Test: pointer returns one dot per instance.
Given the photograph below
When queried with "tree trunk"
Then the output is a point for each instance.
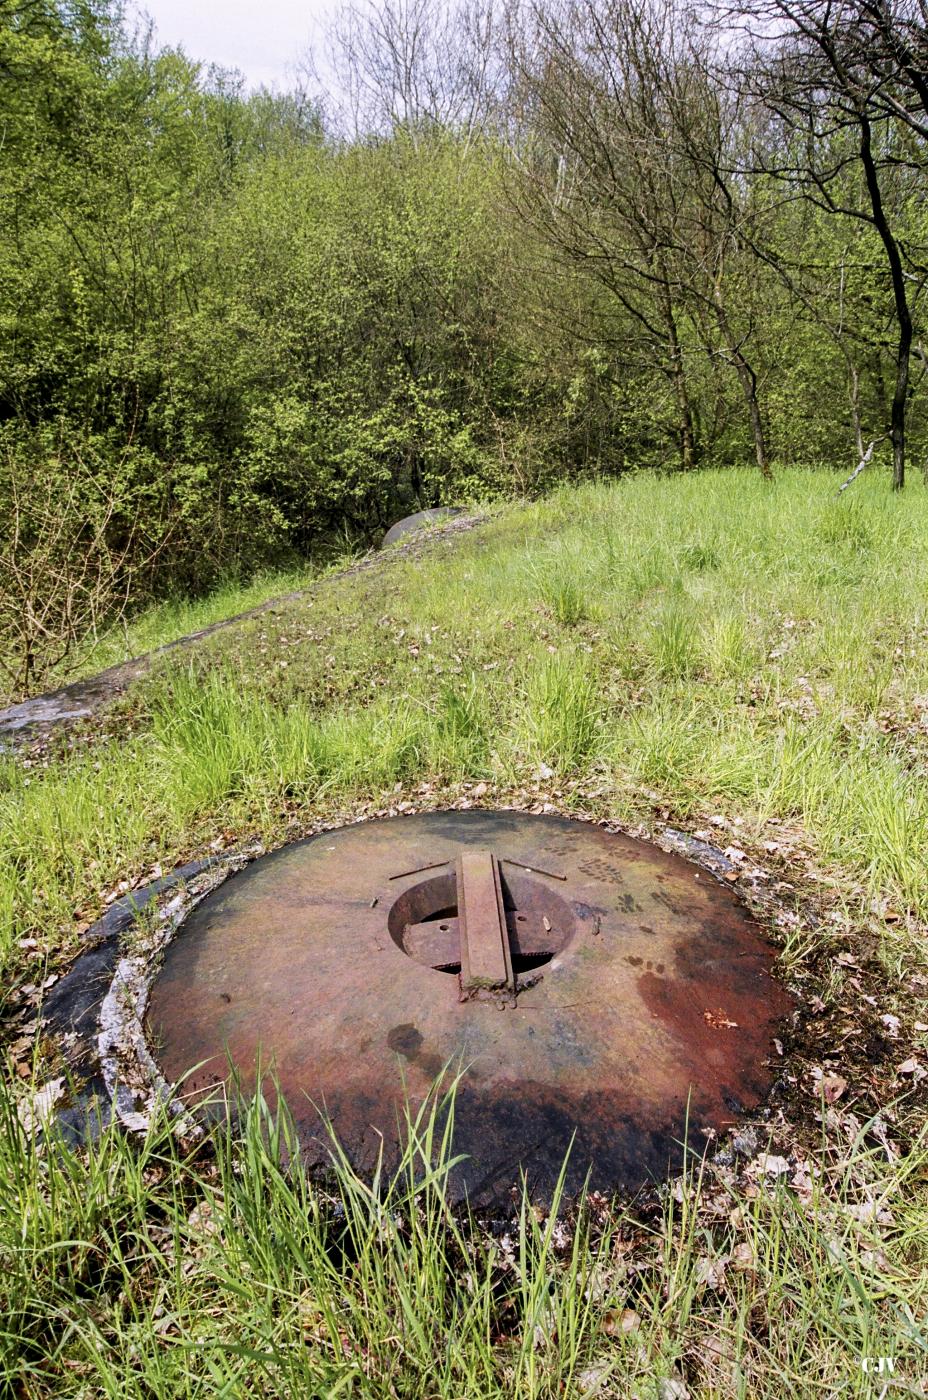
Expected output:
(687, 436)
(855, 408)
(900, 297)
(748, 381)
(678, 376)
(897, 421)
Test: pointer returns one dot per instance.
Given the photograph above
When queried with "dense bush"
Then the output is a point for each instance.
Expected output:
(256, 331)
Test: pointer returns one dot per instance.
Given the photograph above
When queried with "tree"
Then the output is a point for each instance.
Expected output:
(844, 81)
(627, 174)
(415, 65)
(72, 550)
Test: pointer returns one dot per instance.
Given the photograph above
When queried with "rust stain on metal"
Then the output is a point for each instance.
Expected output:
(633, 1002)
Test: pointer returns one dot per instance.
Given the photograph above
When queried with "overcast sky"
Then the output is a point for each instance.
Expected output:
(264, 39)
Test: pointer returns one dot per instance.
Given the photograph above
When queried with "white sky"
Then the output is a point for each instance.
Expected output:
(264, 39)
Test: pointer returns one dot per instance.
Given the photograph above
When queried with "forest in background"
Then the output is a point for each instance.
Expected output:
(503, 245)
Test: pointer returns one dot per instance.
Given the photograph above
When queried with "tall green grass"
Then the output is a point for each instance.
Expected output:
(558, 722)
(131, 1269)
(757, 650)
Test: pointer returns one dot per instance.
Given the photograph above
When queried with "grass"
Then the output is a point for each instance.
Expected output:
(704, 649)
(133, 1270)
(174, 617)
(755, 651)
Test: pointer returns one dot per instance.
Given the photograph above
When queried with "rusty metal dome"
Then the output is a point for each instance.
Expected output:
(600, 995)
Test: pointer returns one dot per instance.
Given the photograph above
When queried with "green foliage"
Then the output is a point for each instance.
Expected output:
(264, 336)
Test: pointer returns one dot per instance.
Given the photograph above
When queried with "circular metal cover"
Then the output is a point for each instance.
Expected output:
(596, 990)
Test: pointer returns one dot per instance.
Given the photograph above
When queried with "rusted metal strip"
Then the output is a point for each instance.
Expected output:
(533, 869)
(485, 957)
(437, 865)
(437, 942)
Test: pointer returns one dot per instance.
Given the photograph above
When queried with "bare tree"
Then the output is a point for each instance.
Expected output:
(628, 176)
(845, 82)
(70, 561)
(887, 40)
(415, 65)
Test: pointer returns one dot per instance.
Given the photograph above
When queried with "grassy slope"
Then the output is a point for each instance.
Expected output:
(705, 648)
(727, 646)
(163, 622)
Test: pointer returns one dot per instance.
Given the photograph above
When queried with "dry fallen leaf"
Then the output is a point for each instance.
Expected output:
(801, 1182)
(869, 1213)
(767, 1164)
(670, 1388)
(202, 1219)
(742, 1257)
(35, 1111)
(832, 1087)
(914, 1068)
(592, 1380)
(711, 1272)
(717, 1354)
(616, 1324)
